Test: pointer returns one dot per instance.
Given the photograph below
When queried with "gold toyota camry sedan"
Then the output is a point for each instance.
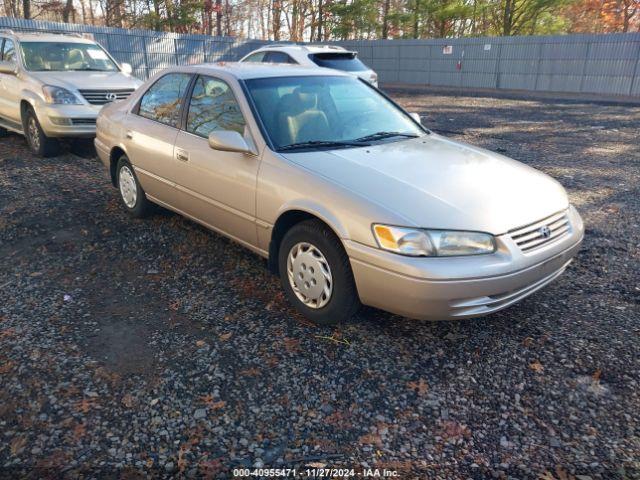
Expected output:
(349, 198)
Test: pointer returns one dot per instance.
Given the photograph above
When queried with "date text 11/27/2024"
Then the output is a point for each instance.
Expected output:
(315, 473)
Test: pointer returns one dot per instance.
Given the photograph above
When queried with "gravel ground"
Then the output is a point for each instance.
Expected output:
(148, 348)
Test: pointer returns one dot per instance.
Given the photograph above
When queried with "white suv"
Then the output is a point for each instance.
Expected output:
(54, 85)
(328, 56)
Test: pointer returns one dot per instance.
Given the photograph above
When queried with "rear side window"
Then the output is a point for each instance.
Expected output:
(213, 107)
(278, 57)
(347, 61)
(164, 98)
(8, 51)
(255, 57)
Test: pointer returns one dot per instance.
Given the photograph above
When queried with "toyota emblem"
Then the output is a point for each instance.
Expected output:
(111, 96)
(545, 231)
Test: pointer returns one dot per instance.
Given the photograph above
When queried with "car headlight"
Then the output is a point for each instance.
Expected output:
(417, 242)
(59, 95)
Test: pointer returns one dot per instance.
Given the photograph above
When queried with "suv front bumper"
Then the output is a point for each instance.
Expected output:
(68, 120)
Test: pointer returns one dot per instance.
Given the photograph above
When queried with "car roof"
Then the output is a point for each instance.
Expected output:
(46, 37)
(248, 70)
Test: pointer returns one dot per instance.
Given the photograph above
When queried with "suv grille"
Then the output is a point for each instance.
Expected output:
(83, 121)
(100, 97)
(542, 232)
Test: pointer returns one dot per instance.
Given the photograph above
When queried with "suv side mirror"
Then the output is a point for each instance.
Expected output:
(126, 68)
(416, 117)
(229, 141)
(8, 67)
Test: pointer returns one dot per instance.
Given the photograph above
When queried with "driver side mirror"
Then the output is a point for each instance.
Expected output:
(9, 68)
(126, 68)
(229, 141)
(416, 117)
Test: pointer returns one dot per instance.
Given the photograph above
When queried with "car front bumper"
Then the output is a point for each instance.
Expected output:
(68, 120)
(459, 287)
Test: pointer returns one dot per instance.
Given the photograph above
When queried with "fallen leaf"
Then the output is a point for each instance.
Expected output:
(225, 336)
(250, 372)
(292, 345)
(79, 431)
(421, 387)
(6, 367)
(596, 375)
(316, 465)
(17, 445)
(200, 343)
(127, 400)
(536, 366)
(371, 439)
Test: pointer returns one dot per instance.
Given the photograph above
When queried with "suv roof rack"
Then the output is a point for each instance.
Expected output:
(331, 47)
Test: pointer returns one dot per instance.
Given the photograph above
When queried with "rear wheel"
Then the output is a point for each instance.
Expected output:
(38, 141)
(316, 275)
(131, 192)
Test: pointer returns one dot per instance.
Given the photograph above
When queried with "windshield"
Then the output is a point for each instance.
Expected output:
(61, 57)
(298, 110)
(347, 62)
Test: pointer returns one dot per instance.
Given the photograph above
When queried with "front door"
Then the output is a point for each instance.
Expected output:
(9, 85)
(219, 188)
(150, 133)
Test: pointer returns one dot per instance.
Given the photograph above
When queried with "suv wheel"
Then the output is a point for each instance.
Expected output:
(131, 192)
(316, 274)
(38, 142)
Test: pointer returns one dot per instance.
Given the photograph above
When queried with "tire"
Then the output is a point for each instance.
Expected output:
(38, 142)
(303, 242)
(131, 193)
(3, 132)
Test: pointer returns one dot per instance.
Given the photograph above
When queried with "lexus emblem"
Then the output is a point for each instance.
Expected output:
(110, 96)
(545, 231)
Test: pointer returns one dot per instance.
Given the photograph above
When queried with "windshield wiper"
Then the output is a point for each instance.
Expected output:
(89, 70)
(324, 143)
(381, 135)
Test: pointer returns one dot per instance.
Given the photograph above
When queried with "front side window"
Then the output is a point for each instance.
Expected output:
(164, 98)
(213, 107)
(66, 56)
(8, 51)
(347, 61)
(303, 109)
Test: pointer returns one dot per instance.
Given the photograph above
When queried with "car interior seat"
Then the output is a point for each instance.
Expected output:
(299, 120)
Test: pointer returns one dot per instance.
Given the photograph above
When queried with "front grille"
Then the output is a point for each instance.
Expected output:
(99, 97)
(83, 121)
(542, 232)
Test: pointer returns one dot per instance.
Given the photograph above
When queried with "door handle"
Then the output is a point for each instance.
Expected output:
(129, 134)
(182, 155)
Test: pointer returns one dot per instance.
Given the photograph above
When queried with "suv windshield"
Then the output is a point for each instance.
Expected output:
(327, 112)
(60, 56)
(347, 61)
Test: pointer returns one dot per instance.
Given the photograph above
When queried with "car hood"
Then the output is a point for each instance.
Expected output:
(90, 80)
(435, 182)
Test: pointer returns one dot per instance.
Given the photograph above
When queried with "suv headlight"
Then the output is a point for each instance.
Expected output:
(416, 242)
(59, 95)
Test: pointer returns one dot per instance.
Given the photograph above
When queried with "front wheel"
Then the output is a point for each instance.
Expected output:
(316, 275)
(38, 141)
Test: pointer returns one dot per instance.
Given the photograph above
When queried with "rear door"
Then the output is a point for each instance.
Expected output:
(150, 133)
